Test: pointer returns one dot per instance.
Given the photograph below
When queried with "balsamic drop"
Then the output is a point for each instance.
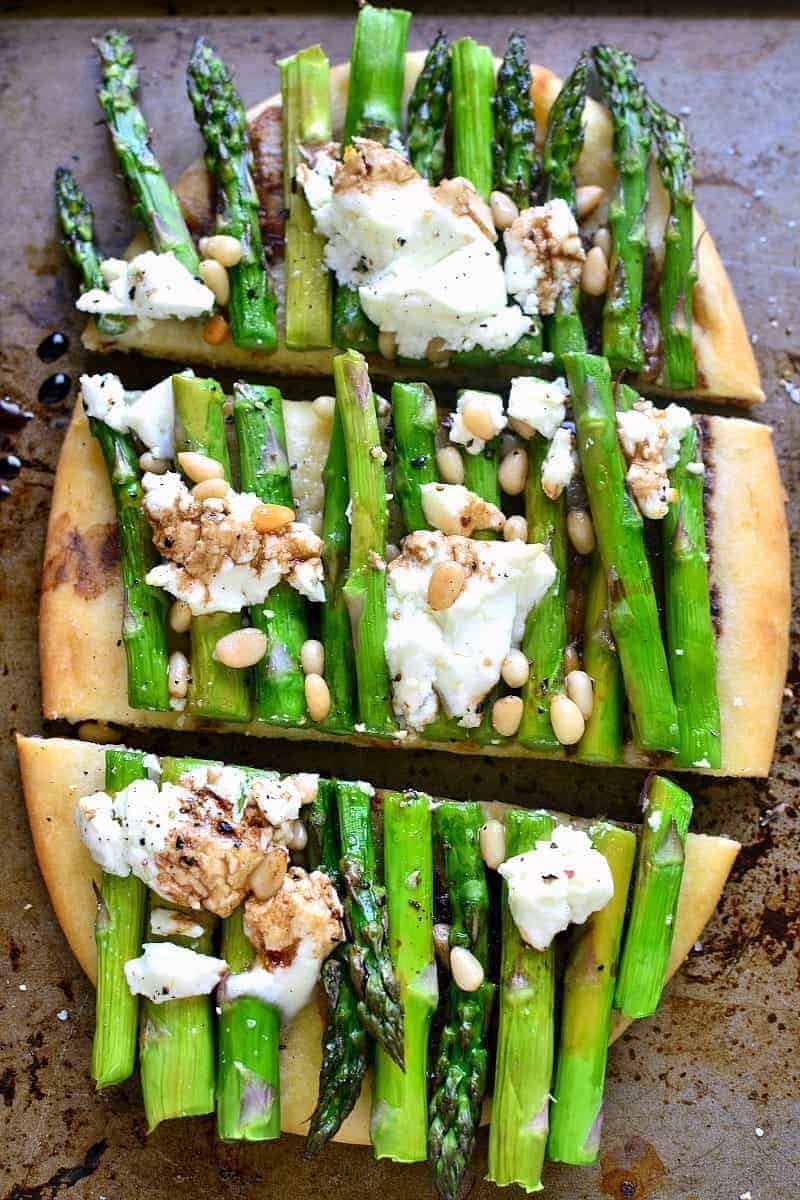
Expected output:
(5, 491)
(55, 388)
(52, 347)
(10, 466)
(12, 417)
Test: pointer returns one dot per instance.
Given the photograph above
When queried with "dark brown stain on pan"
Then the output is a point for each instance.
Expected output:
(87, 562)
(631, 1170)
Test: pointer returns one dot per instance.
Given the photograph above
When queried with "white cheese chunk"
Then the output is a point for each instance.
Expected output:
(453, 508)
(167, 923)
(165, 971)
(455, 655)
(559, 465)
(561, 882)
(149, 414)
(281, 799)
(102, 830)
(651, 441)
(308, 438)
(461, 434)
(289, 987)
(544, 256)
(537, 405)
(151, 286)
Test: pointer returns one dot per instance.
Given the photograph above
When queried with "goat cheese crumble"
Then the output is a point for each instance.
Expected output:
(151, 287)
(165, 971)
(453, 508)
(149, 414)
(537, 405)
(651, 441)
(461, 434)
(544, 256)
(559, 465)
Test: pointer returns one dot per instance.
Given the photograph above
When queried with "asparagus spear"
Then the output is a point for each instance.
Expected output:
(399, 1126)
(659, 870)
(480, 476)
(619, 529)
(364, 589)
(279, 684)
(516, 171)
(306, 116)
(118, 930)
(76, 218)
(602, 738)
(144, 626)
(546, 629)
(337, 637)
(220, 115)
(562, 149)
(627, 102)
(374, 102)
(459, 1078)
(473, 120)
(371, 970)
(216, 691)
(345, 1045)
(415, 419)
(690, 631)
(678, 276)
(428, 107)
(576, 1115)
(518, 1132)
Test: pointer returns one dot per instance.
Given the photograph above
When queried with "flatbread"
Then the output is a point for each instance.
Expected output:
(83, 667)
(57, 771)
(726, 365)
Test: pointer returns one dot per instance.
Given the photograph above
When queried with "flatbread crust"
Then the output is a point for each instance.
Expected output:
(82, 660)
(725, 361)
(57, 771)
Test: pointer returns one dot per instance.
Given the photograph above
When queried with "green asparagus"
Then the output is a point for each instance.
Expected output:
(602, 737)
(415, 418)
(337, 637)
(76, 218)
(473, 120)
(428, 108)
(516, 171)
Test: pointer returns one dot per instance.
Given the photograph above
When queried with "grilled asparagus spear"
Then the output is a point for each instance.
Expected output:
(415, 419)
(76, 218)
(516, 171)
(428, 107)
(337, 637)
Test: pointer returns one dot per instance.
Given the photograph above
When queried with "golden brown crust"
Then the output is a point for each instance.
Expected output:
(56, 772)
(725, 359)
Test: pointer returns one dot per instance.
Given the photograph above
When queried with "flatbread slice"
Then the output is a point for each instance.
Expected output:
(726, 365)
(57, 771)
(83, 668)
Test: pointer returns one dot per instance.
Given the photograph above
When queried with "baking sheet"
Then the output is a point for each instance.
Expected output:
(703, 1098)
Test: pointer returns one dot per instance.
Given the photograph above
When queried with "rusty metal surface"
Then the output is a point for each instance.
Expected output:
(702, 1099)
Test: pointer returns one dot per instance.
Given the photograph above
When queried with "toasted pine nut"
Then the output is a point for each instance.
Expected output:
(242, 648)
(515, 530)
(580, 530)
(202, 246)
(567, 720)
(466, 970)
(580, 690)
(178, 675)
(200, 467)
(267, 518)
(450, 465)
(492, 840)
(515, 669)
(521, 427)
(324, 407)
(506, 715)
(445, 585)
(312, 657)
(478, 419)
(180, 616)
(437, 352)
(99, 731)
(571, 660)
(594, 277)
(602, 238)
(216, 330)
(387, 344)
(211, 489)
(224, 249)
(214, 276)
(441, 943)
(299, 837)
(307, 785)
(266, 880)
(504, 210)
(587, 199)
(318, 698)
(156, 466)
(512, 474)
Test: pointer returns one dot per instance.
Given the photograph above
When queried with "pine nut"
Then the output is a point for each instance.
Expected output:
(515, 669)
(581, 530)
(214, 276)
(299, 838)
(450, 465)
(267, 518)
(445, 585)
(521, 427)
(594, 276)
(178, 675)
(202, 246)
(567, 720)
(506, 715)
(224, 249)
(504, 210)
(307, 785)
(267, 879)
(466, 970)
(512, 474)
(156, 466)
(492, 839)
(515, 530)
(211, 489)
(602, 239)
(437, 352)
(587, 199)
(180, 616)
(580, 690)
(477, 417)
(99, 731)
(571, 660)
(216, 330)
(242, 648)
(318, 698)
(387, 345)
(200, 467)
(441, 943)
(324, 407)
(312, 657)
